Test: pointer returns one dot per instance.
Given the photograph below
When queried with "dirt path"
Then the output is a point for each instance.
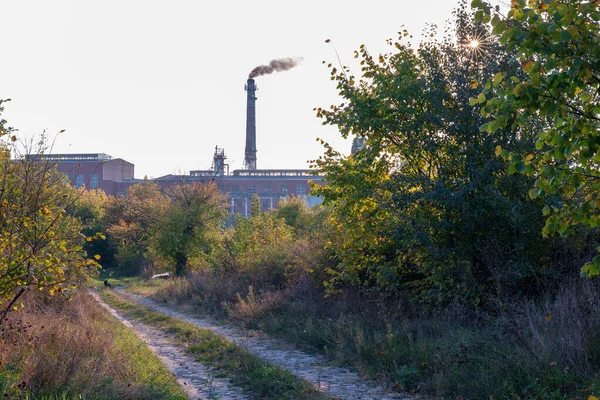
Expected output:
(334, 382)
(196, 379)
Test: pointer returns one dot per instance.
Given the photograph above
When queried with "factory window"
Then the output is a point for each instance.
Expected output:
(79, 181)
(284, 189)
(93, 181)
(268, 189)
(251, 189)
(235, 188)
(300, 190)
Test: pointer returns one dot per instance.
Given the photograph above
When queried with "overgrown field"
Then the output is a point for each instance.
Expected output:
(545, 349)
(257, 377)
(54, 349)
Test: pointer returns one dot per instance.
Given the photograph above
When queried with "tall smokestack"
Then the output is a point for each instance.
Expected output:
(250, 159)
(281, 64)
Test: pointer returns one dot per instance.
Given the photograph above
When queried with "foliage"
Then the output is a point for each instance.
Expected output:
(41, 246)
(297, 214)
(129, 219)
(255, 209)
(558, 46)
(90, 208)
(190, 227)
(233, 361)
(60, 349)
(257, 248)
(412, 208)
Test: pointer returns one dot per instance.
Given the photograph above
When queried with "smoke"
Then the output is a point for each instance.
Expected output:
(282, 64)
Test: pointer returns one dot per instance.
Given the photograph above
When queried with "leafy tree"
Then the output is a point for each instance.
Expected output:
(412, 208)
(191, 225)
(558, 46)
(255, 210)
(297, 214)
(90, 208)
(41, 246)
(256, 248)
(129, 221)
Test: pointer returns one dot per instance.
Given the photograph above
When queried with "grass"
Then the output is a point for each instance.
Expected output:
(548, 349)
(53, 349)
(134, 284)
(255, 376)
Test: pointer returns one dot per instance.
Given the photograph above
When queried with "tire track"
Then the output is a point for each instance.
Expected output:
(197, 379)
(334, 382)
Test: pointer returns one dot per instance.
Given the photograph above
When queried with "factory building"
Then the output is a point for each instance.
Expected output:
(94, 171)
(115, 175)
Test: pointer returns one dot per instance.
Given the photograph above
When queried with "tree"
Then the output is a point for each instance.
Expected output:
(90, 208)
(129, 221)
(557, 44)
(257, 248)
(191, 225)
(255, 210)
(297, 214)
(412, 207)
(41, 246)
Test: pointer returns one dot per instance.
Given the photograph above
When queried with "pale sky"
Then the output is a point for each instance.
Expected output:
(161, 83)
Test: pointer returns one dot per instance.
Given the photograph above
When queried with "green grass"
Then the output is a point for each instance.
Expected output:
(133, 284)
(255, 376)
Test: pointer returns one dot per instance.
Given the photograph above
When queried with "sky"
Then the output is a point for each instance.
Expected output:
(161, 83)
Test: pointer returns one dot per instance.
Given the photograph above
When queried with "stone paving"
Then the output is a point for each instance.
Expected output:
(334, 382)
(197, 380)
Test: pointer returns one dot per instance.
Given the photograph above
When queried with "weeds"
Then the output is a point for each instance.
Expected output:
(548, 349)
(54, 350)
(252, 374)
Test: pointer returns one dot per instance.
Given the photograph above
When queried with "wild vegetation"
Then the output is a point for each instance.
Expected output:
(433, 264)
(254, 375)
(455, 251)
(53, 349)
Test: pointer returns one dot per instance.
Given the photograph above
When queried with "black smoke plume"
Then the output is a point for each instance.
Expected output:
(282, 64)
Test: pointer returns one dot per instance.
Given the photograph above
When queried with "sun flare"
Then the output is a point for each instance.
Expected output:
(477, 44)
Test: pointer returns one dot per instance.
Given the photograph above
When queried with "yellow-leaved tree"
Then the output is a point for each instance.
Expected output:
(41, 245)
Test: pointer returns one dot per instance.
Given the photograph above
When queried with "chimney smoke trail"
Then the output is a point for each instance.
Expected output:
(281, 64)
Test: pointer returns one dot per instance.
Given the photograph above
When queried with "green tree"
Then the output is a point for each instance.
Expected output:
(41, 246)
(297, 214)
(255, 210)
(256, 248)
(129, 220)
(412, 207)
(557, 44)
(90, 208)
(191, 226)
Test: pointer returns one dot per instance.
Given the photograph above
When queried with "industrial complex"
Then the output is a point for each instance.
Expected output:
(115, 175)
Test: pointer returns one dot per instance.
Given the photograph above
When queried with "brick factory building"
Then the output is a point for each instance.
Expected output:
(270, 185)
(94, 171)
(115, 175)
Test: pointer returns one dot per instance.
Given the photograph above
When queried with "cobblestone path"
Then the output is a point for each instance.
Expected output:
(334, 382)
(196, 379)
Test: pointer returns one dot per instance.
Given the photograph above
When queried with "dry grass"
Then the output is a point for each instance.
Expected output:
(53, 348)
(255, 376)
(547, 348)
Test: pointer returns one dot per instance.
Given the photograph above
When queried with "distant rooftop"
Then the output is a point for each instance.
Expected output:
(271, 172)
(70, 157)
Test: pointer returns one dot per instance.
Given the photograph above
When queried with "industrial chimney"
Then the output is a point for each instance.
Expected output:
(250, 159)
